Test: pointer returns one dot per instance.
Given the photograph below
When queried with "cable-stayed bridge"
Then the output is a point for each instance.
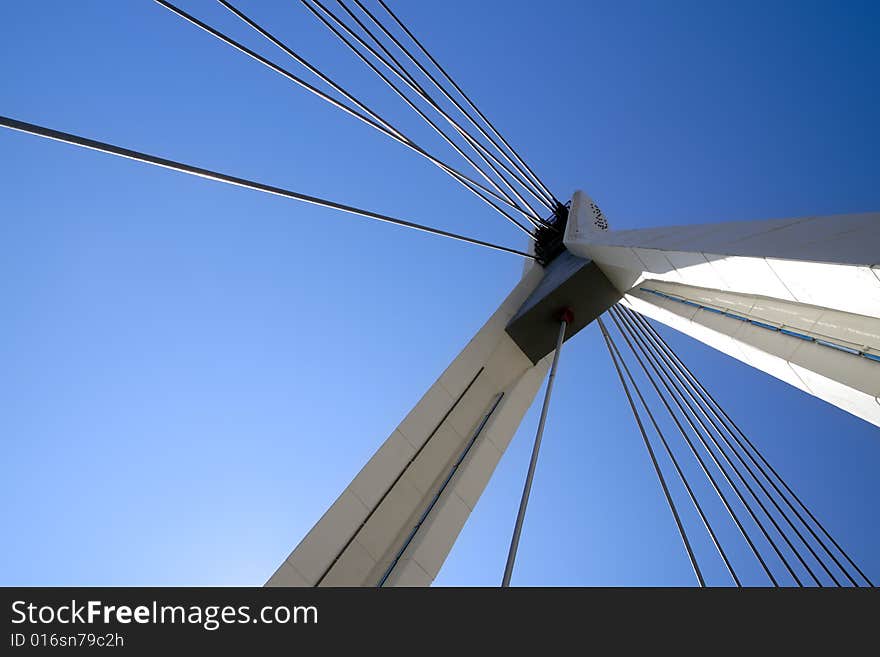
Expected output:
(798, 299)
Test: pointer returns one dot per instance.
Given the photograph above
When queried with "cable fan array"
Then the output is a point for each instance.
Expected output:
(788, 542)
(507, 180)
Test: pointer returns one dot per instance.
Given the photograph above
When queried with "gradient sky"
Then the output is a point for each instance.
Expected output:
(193, 372)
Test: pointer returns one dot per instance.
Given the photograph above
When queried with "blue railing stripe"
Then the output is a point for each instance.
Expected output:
(764, 325)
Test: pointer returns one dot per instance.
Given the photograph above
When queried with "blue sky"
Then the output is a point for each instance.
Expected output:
(194, 372)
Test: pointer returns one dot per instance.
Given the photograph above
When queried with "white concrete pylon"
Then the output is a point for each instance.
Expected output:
(366, 536)
(796, 298)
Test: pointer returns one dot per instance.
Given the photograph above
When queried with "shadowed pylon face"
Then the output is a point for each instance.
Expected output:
(569, 282)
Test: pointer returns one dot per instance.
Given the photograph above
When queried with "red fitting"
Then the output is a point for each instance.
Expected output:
(566, 315)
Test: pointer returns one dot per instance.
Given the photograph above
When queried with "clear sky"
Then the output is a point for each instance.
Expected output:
(193, 372)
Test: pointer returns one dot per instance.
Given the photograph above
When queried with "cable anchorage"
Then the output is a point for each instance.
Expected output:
(549, 237)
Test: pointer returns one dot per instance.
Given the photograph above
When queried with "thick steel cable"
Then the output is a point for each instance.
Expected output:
(721, 496)
(708, 413)
(400, 68)
(527, 185)
(680, 392)
(669, 501)
(531, 216)
(396, 67)
(468, 183)
(730, 423)
(84, 142)
(672, 457)
(531, 174)
(536, 447)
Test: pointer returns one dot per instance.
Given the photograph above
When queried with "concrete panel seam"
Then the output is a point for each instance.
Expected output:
(370, 512)
(782, 282)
